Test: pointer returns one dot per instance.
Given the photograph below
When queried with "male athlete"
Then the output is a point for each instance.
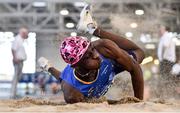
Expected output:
(93, 65)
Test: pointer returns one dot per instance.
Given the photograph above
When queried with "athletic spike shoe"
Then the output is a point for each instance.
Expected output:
(86, 22)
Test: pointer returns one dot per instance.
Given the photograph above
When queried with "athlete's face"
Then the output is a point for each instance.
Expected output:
(91, 59)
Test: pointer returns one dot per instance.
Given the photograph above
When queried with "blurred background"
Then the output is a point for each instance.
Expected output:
(49, 21)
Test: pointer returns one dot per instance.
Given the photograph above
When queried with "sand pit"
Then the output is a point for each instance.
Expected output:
(129, 104)
(119, 103)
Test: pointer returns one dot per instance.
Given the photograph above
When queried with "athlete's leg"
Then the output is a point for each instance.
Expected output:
(121, 42)
(87, 24)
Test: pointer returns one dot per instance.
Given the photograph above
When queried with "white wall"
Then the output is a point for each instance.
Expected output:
(48, 46)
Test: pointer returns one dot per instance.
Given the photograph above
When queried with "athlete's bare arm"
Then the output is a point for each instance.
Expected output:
(56, 73)
(110, 50)
(71, 95)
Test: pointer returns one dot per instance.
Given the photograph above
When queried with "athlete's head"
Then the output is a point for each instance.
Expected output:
(78, 50)
(73, 48)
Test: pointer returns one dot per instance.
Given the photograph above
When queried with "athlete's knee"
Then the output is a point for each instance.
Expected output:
(140, 55)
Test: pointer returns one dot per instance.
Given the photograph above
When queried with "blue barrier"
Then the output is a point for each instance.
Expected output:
(36, 77)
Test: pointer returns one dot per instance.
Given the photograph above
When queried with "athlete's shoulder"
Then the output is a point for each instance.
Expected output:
(67, 72)
(68, 68)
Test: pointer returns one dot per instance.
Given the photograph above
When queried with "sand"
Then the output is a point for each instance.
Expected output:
(126, 104)
(164, 98)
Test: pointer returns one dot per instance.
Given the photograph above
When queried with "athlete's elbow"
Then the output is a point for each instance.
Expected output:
(73, 100)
